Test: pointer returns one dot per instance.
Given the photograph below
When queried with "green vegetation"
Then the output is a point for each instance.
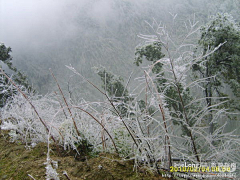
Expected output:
(18, 77)
(223, 66)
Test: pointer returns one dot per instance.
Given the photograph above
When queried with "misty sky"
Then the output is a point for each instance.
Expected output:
(37, 30)
(47, 34)
(31, 22)
(28, 21)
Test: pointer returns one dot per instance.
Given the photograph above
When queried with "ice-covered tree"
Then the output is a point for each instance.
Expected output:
(168, 67)
(223, 66)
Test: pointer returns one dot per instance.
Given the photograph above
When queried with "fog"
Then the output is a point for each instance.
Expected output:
(34, 23)
(43, 33)
(47, 34)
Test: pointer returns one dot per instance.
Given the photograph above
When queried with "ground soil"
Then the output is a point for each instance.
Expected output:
(18, 162)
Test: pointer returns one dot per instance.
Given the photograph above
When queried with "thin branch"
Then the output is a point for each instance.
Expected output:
(75, 125)
(129, 131)
(100, 125)
(25, 96)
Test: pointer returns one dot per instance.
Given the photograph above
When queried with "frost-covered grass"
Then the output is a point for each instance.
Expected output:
(19, 117)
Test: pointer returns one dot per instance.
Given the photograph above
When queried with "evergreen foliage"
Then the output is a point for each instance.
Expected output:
(224, 64)
(18, 77)
(222, 67)
(112, 84)
(153, 52)
(117, 92)
(5, 56)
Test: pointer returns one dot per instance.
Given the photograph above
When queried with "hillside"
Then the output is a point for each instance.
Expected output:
(17, 162)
